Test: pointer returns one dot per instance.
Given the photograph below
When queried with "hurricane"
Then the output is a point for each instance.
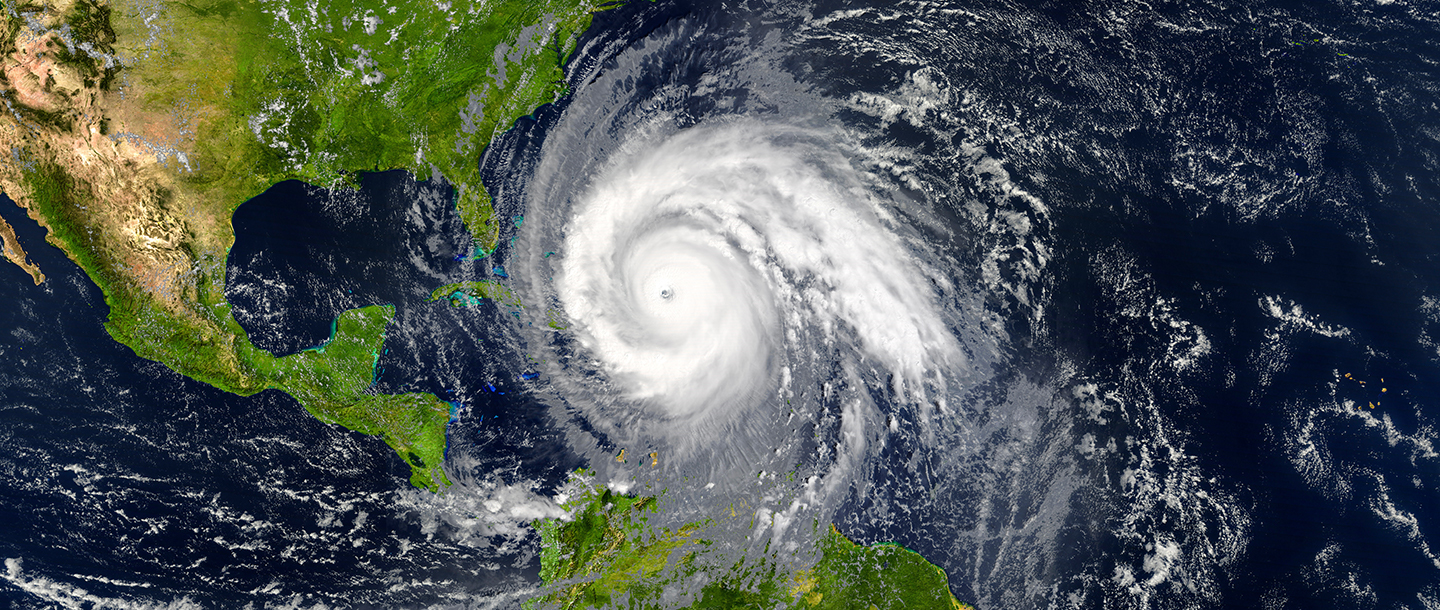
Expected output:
(710, 272)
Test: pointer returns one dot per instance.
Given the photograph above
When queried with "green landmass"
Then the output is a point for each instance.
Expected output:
(607, 542)
(880, 576)
(137, 128)
(333, 381)
(469, 294)
(606, 556)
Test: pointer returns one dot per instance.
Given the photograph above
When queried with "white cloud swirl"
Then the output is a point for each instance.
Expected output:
(701, 266)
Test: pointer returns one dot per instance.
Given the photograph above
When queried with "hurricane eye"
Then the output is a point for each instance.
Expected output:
(665, 293)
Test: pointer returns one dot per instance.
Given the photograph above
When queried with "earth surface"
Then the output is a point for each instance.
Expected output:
(1088, 305)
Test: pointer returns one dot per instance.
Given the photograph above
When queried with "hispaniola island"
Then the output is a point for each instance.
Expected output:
(741, 304)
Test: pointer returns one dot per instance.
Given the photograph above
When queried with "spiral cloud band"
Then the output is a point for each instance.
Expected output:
(701, 270)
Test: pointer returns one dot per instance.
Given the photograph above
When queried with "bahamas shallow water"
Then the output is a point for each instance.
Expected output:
(1074, 300)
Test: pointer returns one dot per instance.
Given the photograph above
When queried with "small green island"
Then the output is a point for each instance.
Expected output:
(469, 294)
(607, 555)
